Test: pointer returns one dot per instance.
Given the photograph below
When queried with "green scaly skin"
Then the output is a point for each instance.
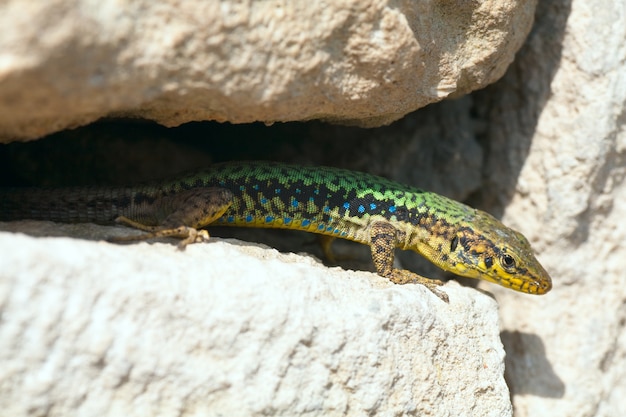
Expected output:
(334, 202)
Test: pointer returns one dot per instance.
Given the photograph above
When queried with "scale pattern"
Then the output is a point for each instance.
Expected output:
(324, 200)
(335, 202)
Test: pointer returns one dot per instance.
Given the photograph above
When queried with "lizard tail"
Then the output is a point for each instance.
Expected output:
(68, 205)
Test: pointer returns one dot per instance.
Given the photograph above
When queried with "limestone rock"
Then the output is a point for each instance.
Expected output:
(227, 328)
(65, 63)
(556, 127)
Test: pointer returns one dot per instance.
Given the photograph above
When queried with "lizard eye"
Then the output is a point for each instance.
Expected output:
(507, 261)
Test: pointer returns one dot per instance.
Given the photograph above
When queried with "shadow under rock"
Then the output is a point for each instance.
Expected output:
(508, 111)
(528, 370)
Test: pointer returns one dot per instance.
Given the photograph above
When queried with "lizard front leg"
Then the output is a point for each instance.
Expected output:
(383, 239)
(185, 213)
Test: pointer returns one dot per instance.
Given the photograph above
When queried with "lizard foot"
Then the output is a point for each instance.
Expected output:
(187, 234)
(402, 276)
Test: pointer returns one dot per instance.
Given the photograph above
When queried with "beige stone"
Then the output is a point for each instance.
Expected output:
(553, 140)
(557, 127)
(230, 328)
(65, 63)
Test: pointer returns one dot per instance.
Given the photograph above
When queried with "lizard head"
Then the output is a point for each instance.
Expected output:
(484, 248)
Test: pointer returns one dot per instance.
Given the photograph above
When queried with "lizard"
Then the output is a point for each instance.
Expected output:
(333, 202)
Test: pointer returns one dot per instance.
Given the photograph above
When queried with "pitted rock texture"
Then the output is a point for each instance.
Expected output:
(65, 63)
(230, 328)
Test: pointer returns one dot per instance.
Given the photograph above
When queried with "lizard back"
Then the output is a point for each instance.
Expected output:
(324, 200)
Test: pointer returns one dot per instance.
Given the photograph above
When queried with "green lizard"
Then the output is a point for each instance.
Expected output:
(334, 202)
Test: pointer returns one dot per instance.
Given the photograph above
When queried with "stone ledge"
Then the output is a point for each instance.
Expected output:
(231, 328)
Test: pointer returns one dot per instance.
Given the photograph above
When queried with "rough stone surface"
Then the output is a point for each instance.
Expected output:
(227, 328)
(553, 149)
(557, 126)
(65, 63)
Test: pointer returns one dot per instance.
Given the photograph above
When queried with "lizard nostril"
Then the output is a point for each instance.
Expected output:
(454, 243)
